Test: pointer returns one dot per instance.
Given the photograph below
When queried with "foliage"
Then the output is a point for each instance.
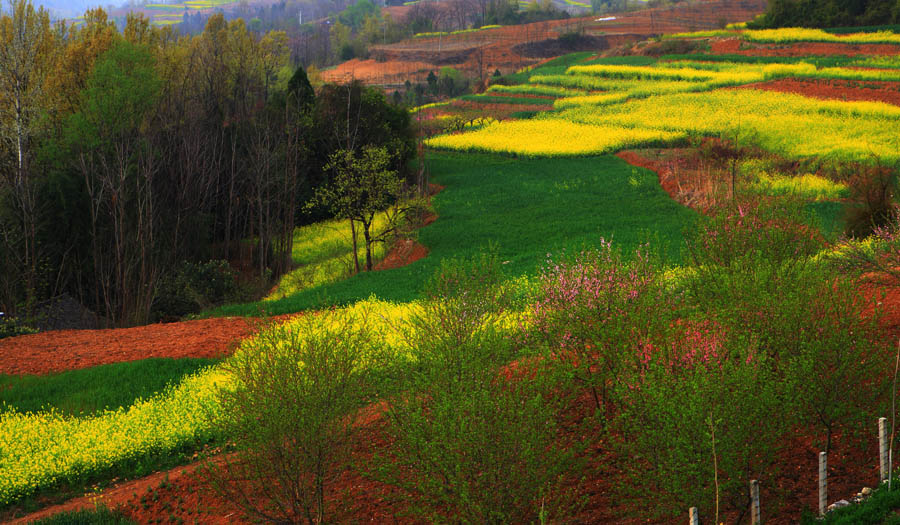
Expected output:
(754, 277)
(12, 327)
(873, 259)
(93, 390)
(873, 193)
(830, 13)
(360, 188)
(292, 410)
(700, 417)
(481, 445)
(351, 118)
(195, 287)
(766, 243)
(837, 364)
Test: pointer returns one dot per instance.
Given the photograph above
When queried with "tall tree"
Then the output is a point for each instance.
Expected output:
(361, 186)
(116, 160)
(26, 48)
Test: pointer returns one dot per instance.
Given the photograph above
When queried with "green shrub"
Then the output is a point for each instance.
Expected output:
(751, 271)
(837, 367)
(698, 419)
(474, 442)
(193, 287)
(11, 327)
(292, 413)
(755, 277)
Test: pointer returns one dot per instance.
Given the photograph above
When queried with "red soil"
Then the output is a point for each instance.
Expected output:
(56, 351)
(480, 53)
(888, 92)
(733, 46)
(404, 251)
(682, 174)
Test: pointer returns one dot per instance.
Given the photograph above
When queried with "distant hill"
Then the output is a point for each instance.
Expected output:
(72, 8)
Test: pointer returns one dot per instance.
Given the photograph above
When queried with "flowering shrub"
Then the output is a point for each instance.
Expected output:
(596, 307)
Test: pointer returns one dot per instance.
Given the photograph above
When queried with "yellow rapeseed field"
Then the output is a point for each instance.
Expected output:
(551, 137)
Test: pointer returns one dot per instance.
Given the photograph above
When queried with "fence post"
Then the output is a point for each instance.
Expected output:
(883, 449)
(754, 503)
(823, 483)
(694, 516)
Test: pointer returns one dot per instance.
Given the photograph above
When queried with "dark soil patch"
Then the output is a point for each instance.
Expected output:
(555, 47)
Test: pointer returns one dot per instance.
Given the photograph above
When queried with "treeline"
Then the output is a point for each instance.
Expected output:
(828, 13)
(124, 154)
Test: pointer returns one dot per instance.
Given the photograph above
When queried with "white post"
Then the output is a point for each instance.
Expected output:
(883, 448)
(823, 483)
(695, 516)
(754, 503)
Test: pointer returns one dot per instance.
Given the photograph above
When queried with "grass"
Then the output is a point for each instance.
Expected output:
(879, 509)
(526, 208)
(521, 101)
(92, 390)
(818, 61)
(829, 218)
(99, 516)
(557, 66)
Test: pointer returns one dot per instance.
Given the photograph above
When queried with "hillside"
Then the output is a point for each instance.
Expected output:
(636, 278)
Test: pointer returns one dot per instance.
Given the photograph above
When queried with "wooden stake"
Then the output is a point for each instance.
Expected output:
(823, 483)
(755, 518)
(695, 516)
(883, 448)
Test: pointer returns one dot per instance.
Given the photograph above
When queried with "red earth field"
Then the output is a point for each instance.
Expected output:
(735, 46)
(480, 53)
(872, 91)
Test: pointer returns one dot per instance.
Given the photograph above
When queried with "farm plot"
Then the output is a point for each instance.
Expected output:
(668, 101)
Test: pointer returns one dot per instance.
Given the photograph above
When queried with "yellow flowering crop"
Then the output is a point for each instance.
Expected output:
(551, 138)
(798, 34)
(808, 186)
(41, 450)
(784, 123)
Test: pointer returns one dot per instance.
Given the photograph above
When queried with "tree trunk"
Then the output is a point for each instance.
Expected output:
(355, 249)
(368, 237)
